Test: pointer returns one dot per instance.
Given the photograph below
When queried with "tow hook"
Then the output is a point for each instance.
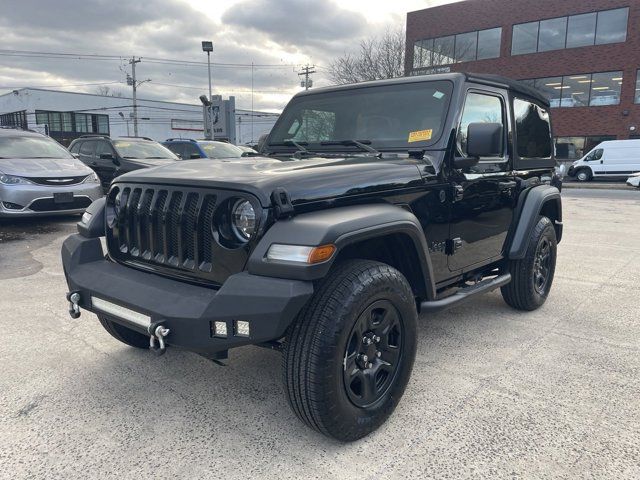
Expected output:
(157, 333)
(74, 304)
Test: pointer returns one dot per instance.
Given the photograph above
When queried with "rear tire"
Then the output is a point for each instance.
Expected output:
(335, 380)
(584, 175)
(532, 276)
(124, 334)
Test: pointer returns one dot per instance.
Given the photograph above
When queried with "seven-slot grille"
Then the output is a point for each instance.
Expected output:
(169, 230)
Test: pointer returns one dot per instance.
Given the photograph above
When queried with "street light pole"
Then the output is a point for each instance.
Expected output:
(207, 46)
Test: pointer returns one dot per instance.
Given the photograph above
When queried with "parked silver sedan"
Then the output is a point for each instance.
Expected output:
(40, 177)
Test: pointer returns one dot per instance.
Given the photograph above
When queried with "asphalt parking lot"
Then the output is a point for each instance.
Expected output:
(494, 393)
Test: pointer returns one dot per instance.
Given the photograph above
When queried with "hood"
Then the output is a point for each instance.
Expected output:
(306, 180)
(44, 167)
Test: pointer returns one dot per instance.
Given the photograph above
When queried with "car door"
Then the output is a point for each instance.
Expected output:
(86, 154)
(483, 195)
(105, 160)
(596, 160)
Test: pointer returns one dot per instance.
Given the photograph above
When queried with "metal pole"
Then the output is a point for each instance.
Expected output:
(210, 96)
(252, 113)
(135, 102)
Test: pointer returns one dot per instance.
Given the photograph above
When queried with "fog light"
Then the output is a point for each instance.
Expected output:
(220, 329)
(12, 206)
(242, 328)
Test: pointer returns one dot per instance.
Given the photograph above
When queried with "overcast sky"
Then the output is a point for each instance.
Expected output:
(285, 33)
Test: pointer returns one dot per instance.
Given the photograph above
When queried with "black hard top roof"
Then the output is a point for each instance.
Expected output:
(483, 79)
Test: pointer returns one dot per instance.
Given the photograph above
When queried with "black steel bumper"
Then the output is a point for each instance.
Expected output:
(268, 304)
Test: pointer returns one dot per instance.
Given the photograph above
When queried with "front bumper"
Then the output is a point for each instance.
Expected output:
(38, 200)
(268, 304)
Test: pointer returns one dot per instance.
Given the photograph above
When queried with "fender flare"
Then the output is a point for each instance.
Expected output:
(341, 226)
(533, 203)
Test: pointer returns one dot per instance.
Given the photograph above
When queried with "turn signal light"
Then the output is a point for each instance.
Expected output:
(321, 254)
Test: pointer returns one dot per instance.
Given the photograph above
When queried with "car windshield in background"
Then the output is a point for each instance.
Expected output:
(220, 150)
(31, 147)
(389, 116)
(143, 150)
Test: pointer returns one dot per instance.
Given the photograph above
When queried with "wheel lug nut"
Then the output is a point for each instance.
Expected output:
(377, 339)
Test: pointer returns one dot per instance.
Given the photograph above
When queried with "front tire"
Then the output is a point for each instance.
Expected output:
(337, 383)
(532, 276)
(584, 175)
(124, 334)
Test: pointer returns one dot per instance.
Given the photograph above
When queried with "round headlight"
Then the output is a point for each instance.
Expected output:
(243, 220)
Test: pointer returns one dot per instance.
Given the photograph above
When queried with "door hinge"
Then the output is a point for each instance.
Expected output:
(453, 245)
(458, 193)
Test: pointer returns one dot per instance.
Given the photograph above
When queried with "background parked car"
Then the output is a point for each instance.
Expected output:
(613, 158)
(110, 158)
(189, 149)
(247, 149)
(40, 177)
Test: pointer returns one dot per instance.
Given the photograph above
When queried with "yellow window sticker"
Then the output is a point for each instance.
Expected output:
(420, 135)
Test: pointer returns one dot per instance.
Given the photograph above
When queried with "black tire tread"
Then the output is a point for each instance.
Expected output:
(301, 359)
(518, 293)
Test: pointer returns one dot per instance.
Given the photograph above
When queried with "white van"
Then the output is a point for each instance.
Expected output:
(613, 158)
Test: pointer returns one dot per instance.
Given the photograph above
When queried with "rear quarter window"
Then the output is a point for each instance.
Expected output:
(533, 140)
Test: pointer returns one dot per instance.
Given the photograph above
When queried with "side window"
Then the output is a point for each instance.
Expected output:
(103, 147)
(75, 148)
(190, 150)
(595, 155)
(177, 148)
(479, 108)
(533, 130)
(87, 148)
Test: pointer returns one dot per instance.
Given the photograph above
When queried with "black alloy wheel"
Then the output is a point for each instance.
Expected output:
(373, 352)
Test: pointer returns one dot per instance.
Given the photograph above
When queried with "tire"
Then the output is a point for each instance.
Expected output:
(532, 276)
(124, 334)
(330, 386)
(584, 175)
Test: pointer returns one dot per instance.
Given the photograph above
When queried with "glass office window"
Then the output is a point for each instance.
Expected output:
(605, 88)
(489, 43)
(525, 38)
(103, 124)
(581, 31)
(552, 89)
(466, 46)
(82, 125)
(42, 117)
(575, 90)
(67, 123)
(612, 26)
(552, 34)
(443, 50)
(533, 130)
(422, 53)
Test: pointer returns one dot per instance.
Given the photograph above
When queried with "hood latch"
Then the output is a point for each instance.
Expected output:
(281, 203)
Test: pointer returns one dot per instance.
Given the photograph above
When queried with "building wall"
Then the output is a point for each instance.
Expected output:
(156, 119)
(575, 121)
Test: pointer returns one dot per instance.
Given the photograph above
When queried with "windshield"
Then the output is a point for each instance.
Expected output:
(31, 147)
(143, 150)
(390, 116)
(220, 150)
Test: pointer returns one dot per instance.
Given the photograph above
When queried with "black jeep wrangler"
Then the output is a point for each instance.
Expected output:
(371, 204)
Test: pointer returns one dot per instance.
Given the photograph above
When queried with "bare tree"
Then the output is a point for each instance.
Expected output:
(378, 58)
(106, 91)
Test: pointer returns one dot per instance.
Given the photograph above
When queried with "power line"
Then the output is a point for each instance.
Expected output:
(58, 86)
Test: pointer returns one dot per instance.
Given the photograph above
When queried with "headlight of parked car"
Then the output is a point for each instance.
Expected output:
(92, 178)
(13, 180)
(243, 220)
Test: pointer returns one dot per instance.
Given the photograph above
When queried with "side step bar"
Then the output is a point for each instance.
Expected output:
(465, 294)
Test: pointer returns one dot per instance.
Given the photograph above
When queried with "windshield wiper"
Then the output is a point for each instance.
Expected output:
(156, 158)
(299, 145)
(361, 144)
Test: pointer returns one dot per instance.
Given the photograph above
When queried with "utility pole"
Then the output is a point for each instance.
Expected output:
(207, 46)
(307, 70)
(134, 84)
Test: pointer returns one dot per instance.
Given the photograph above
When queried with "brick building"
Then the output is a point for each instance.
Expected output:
(585, 55)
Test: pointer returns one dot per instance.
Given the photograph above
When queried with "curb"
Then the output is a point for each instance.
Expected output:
(597, 186)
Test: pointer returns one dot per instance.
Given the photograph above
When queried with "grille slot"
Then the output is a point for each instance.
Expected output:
(171, 231)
